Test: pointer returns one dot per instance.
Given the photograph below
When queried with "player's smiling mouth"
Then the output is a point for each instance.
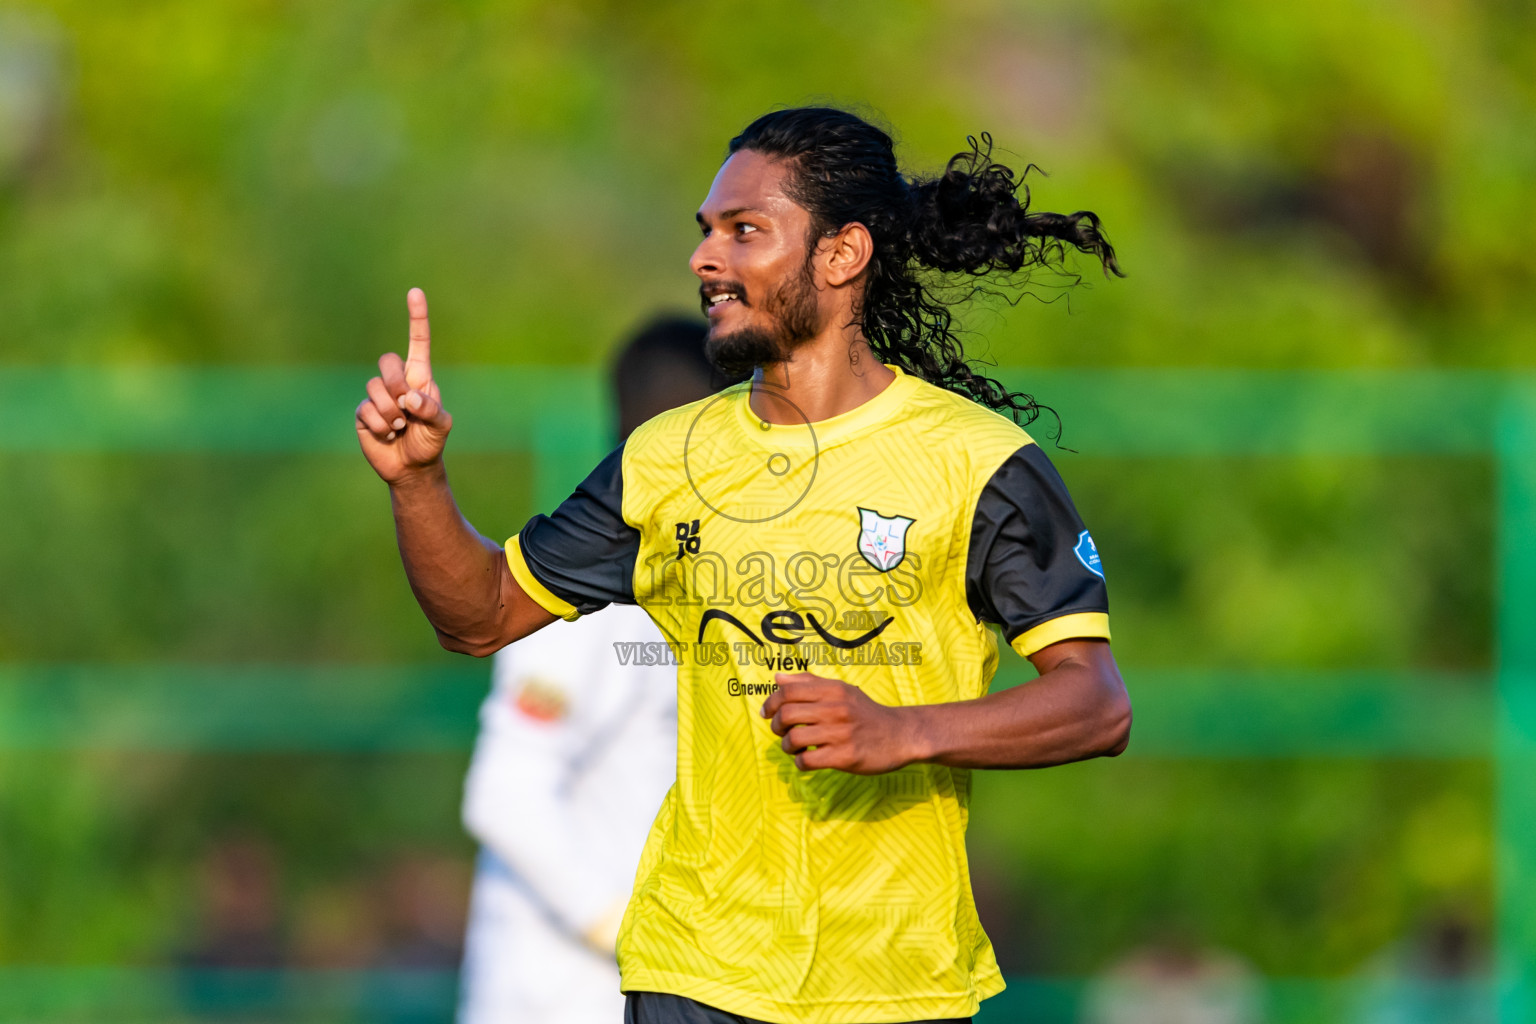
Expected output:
(715, 298)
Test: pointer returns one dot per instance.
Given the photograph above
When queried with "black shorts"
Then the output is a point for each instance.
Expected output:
(663, 1008)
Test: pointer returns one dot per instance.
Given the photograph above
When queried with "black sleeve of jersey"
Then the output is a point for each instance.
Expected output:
(585, 552)
(1023, 566)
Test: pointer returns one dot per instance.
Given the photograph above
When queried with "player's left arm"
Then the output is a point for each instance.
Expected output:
(1032, 569)
(1077, 709)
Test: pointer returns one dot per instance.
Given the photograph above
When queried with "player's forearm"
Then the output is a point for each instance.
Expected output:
(1078, 709)
(455, 573)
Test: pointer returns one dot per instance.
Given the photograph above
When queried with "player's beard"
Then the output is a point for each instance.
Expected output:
(794, 318)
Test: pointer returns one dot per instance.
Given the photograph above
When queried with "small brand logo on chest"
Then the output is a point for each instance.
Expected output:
(687, 536)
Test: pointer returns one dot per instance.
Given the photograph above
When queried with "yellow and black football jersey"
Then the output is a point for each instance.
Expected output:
(871, 547)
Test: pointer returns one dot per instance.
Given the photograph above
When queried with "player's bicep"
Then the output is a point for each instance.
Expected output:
(1089, 655)
(1032, 567)
(520, 613)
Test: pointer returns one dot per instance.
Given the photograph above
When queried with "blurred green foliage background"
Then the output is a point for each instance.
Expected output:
(255, 184)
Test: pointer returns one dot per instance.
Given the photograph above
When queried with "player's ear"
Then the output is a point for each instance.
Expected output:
(847, 254)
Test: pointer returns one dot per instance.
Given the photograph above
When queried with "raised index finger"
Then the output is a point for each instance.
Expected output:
(418, 358)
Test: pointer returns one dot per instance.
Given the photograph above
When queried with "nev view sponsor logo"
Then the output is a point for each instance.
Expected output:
(799, 625)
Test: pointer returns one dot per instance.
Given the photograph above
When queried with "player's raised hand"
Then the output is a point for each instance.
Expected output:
(849, 730)
(402, 424)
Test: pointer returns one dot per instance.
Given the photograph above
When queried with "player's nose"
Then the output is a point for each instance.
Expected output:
(707, 260)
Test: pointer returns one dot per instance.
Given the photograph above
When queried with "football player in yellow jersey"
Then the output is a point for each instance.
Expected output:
(826, 549)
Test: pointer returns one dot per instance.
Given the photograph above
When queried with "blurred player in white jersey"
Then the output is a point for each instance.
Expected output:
(576, 751)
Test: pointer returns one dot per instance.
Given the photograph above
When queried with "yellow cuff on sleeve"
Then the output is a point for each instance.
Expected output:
(533, 588)
(1077, 626)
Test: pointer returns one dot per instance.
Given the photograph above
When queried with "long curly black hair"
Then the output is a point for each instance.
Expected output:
(973, 219)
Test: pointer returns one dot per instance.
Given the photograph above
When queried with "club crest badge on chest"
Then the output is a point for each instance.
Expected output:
(883, 539)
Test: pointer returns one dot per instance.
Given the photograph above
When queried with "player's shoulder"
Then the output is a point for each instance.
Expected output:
(984, 436)
(666, 432)
(654, 453)
(654, 460)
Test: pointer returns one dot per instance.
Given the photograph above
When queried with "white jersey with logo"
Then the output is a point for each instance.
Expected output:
(577, 748)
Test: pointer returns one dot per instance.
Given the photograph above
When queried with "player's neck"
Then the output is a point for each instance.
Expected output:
(827, 376)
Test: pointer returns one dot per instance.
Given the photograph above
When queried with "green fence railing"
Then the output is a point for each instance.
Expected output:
(555, 414)
(432, 707)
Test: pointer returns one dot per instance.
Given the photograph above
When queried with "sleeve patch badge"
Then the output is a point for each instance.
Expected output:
(1087, 552)
(883, 539)
(541, 701)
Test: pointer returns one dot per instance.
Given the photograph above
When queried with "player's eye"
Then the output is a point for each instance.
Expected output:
(743, 228)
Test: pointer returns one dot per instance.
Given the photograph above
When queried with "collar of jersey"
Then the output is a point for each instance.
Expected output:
(872, 413)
